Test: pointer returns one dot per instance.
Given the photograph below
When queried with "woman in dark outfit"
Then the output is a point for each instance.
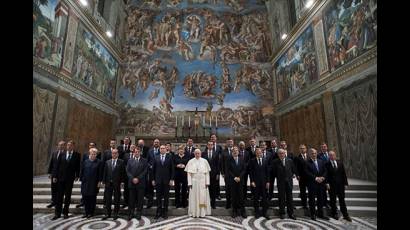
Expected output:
(181, 181)
(90, 176)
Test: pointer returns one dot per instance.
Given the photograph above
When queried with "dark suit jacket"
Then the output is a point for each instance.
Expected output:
(301, 166)
(336, 177)
(151, 156)
(190, 154)
(213, 163)
(234, 170)
(115, 175)
(180, 172)
(282, 174)
(106, 155)
(274, 152)
(91, 174)
(312, 173)
(323, 157)
(259, 174)
(137, 170)
(122, 151)
(225, 155)
(163, 173)
(218, 149)
(53, 161)
(144, 152)
(67, 170)
(251, 153)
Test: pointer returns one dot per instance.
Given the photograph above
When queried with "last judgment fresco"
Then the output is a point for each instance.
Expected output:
(195, 67)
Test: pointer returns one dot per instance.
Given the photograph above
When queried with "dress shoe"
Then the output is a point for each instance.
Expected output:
(55, 217)
(244, 215)
(84, 216)
(150, 203)
(129, 218)
(348, 218)
(257, 215)
(292, 217)
(138, 216)
(233, 214)
(213, 207)
(124, 206)
(90, 216)
(218, 197)
(115, 217)
(158, 215)
(51, 205)
(105, 217)
(313, 217)
(79, 205)
(282, 216)
(266, 216)
(177, 206)
(335, 216)
(65, 216)
(228, 206)
(324, 217)
(165, 215)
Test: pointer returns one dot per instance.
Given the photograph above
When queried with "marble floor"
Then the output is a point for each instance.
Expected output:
(43, 221)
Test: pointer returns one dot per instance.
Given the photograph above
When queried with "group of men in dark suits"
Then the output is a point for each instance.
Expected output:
(139, 169)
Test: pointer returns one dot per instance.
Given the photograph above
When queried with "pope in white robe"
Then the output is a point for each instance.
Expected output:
(198, 169)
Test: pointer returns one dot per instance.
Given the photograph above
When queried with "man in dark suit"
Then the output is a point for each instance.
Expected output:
(300, 162)
(168, 147)
(113, 178)
(149, 190)
(85, 157)
(252, 147)
(163, 175)
(284, 170)
(124, 148)
(324, 156)
(143, 149)
(236, 169)
(126, 157)
(218, 150)
(108, 152)
(189, 149)
(91, 177)
(65, 172)
(245, 155)
(316, 173)
(213, 159)
(137, 169)
(274, 155)
(226, 154)
(181, 179)
(259, 173)
(288, 154)
(51, 165)
(336, 182)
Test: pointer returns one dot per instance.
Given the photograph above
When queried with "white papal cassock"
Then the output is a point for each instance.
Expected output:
(198, 176)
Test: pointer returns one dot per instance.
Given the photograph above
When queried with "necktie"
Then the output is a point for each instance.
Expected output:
(334, 164)
(317, 166)
(264, 154)
(236, 160)
(162, 159)
(260, 162)
(229, 151)
(189, 149)
(113, 164)
(209, 154)
(215, 147)
(69, 156)
(283, 162)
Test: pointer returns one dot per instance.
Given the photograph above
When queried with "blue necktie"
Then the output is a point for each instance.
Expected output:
(162, 160)
(317, 166)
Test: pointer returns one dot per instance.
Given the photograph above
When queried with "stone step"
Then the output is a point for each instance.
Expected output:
(295, 186)
(349, 193)
(75, 199)
(219, 211)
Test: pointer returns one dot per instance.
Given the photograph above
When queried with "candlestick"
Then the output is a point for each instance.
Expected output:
(176, 121)
(216, 123)
(210, 121)
(189, 121)
(182, 121)
(203, 122)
